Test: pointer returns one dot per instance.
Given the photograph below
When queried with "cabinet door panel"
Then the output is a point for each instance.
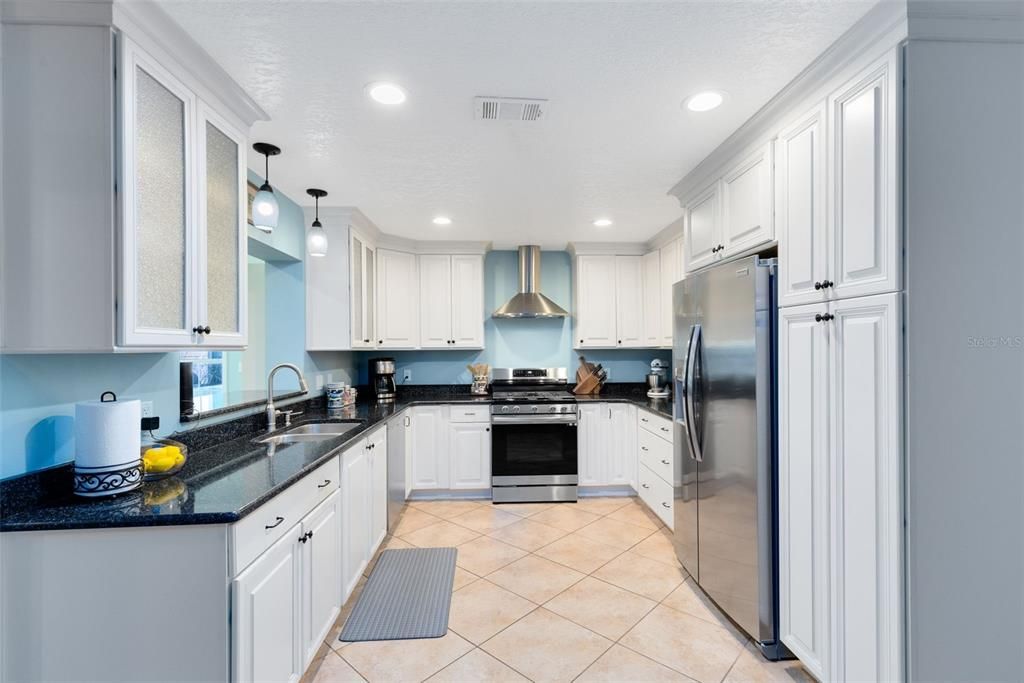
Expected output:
(595, 301)
(435, 301)
(803, 485)
(378, 483)
(592, 446)
(800, 210)
(430, 439)
(671, 272)
(622, 445)
(629, 304)
(653, 312)
(397, 287)
(703, 229)
(866, 503)
(467, 301)
(865, 241)
(222, 289)
(357, 249)
(747, 203)
(159, 253)
(266, 616)
(322, 567)
(355, 519)
(470, 447)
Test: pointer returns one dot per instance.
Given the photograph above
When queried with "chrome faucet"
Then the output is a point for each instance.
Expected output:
(271, 411)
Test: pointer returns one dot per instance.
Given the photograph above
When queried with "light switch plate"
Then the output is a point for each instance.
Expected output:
(147, 409)
(406, 375)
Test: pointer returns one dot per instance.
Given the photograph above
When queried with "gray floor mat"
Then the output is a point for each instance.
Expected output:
(408, 595)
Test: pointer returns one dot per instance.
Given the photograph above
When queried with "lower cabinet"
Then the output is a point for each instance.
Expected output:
(364, 494)
(606, 446)
(287, 599)
(655, 471)
(470, 449)
(840, 483)
(430, 448)
(452, 447)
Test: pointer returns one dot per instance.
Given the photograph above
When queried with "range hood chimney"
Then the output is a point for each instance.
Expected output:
(530, 303)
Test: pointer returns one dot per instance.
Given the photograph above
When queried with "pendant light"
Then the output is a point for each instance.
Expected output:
(316, 238)
(264, 205)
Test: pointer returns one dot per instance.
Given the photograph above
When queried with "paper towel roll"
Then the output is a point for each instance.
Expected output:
(107, 433)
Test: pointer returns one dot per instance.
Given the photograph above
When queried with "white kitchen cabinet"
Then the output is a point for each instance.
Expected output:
(671, 273)
(864, 185)
(840, 487)
(470, 448)
(377, 448)
(703, 228)
(595, 301)
(800, 179)
(653, 293)
(629, 305)
(184, 245)
(266, 612)
(430, 461)
(321, 573)
(467, 301)
(355, 515)
(747, 203)
(451, 301)
(606, 444)
(804, 485)
(397, 296)
(362, 304)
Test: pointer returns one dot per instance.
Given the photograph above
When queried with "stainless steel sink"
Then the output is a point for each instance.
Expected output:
(314, 431)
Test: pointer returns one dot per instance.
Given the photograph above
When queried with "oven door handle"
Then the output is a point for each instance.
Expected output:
(533, 420)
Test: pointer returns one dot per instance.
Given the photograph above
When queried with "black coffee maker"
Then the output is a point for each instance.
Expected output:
(382, 378)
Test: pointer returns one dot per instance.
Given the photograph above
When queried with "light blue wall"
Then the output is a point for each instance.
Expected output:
(38, 392)
(520, 343)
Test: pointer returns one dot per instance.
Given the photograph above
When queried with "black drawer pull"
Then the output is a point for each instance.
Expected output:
(666, 505)
(643, 448)
(664, 429)
(275, 524)
(665, 462)
(327, 482)
(645, 486)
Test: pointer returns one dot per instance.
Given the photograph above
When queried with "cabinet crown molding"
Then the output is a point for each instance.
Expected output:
(145, 22)
(985, 21)
(883, 27)
(352, 216)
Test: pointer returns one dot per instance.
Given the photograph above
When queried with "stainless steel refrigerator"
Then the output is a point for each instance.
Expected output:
(723, 365)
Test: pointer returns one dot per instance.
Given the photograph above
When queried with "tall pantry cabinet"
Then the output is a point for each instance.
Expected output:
(840, 388)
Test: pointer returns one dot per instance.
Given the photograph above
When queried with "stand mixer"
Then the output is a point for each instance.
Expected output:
(657, 380)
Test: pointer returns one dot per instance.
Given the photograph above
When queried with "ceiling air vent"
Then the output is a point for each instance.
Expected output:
(509, 109)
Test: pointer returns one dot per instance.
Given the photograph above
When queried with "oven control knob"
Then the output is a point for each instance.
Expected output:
(515, 409)
(536, 408)
(504, 409)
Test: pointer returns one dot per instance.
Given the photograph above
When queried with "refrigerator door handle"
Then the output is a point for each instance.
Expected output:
(693, 348)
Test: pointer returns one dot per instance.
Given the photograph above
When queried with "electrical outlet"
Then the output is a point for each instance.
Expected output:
(608, 376)
(147, 409)
(406, 376)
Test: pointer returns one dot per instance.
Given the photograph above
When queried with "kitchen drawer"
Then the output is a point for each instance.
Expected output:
(656, 493)
(271, 521)
(469, 413)
(656, 454)
(655, 424)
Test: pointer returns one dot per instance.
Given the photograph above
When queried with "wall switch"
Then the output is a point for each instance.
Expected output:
(147, 409)
(406, 376)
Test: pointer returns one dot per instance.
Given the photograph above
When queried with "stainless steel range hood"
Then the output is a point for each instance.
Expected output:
(530, 303)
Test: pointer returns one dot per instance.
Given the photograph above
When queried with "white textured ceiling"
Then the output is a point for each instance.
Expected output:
(615, 138)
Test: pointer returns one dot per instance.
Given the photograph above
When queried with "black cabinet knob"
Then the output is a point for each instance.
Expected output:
(620, 341)
(823, 317)
(206, 330)
(380, 341)
(817, 285)
(826, 283)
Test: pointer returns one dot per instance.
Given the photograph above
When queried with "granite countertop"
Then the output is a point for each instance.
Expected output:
(228, 474)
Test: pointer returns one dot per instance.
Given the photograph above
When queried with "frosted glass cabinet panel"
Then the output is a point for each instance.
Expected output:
(222, 288)
(158, 136)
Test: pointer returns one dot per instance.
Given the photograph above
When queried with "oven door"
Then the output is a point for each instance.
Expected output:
(533, 450)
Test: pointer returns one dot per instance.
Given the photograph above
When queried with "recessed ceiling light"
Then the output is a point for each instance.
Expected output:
(386, 93)
(705, 101)
(442, 220)
(603, 222)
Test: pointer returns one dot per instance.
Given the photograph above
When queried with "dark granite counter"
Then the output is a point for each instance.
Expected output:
(228, 474)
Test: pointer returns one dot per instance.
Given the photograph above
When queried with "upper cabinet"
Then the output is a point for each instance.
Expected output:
(362, 302)
(183, 243)
(397, 284)
(595, 323)
(671, 273)
(733, 214)
(863, 218)
(451, 301)
(836, 193)
(653, 294)
(156, 258)
(629, 309)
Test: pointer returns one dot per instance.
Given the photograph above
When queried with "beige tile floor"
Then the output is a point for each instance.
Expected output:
(587, 592)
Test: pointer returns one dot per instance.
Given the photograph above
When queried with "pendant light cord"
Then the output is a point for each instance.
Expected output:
(266, 168)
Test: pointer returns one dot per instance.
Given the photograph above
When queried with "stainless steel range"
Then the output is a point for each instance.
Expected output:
(533, 436)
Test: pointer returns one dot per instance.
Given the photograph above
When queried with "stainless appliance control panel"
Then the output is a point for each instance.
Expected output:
(527, 409)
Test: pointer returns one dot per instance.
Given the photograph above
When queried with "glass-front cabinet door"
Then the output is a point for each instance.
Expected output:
(158, 115)
(362, 304)
(221, 274)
